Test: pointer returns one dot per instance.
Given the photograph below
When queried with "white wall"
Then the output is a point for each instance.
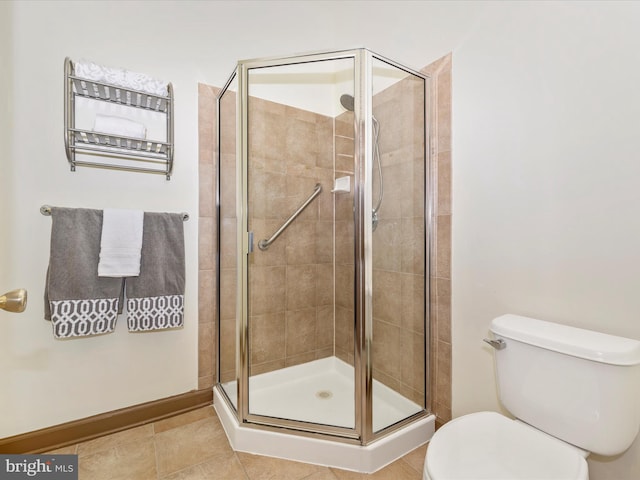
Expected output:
(546, 182)
(47, 382)
(545, 132)
(5, 130)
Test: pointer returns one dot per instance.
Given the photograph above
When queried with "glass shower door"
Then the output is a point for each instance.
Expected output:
(227, 238)
(299, 270)
(399, 244)
(323, 270)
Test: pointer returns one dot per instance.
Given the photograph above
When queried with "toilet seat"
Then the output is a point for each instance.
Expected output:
(487, 445)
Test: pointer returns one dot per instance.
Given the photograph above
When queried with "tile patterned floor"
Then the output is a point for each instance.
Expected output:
(193, 446)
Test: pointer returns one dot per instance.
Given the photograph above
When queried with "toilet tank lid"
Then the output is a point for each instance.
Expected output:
(577, 342)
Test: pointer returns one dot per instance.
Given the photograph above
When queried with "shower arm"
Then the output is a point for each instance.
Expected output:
(264, 243)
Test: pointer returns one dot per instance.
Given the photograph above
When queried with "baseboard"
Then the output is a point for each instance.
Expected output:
(51, 438)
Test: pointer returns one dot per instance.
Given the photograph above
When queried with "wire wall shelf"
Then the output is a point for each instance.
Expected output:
(116, 151)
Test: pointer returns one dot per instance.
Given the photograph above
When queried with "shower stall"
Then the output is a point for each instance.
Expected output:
(324, 211)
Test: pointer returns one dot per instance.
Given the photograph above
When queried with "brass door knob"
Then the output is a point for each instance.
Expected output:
(14, 301)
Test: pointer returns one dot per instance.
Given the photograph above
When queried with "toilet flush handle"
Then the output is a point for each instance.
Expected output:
(498, 344)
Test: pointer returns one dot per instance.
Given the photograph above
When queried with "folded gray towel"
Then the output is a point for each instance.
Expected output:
(77, 301)
(155, 299)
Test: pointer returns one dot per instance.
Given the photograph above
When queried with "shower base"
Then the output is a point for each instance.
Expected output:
(322, 392)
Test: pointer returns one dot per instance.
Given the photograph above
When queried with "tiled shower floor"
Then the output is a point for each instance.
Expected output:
(193, 446)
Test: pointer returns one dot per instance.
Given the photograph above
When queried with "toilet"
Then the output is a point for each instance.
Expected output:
(571, 391)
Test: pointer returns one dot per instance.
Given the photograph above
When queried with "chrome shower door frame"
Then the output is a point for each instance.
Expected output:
(362, 433)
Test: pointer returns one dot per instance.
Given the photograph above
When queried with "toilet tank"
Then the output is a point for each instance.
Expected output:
(577, 385)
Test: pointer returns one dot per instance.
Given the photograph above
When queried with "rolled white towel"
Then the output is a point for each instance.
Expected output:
(120, 77)
(119, 126)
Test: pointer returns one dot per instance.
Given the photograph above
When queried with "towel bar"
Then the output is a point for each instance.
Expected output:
(46, 211)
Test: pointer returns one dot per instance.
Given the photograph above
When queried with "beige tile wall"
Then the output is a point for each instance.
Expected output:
(440, 72)
(344, 239)
(228, 237)
(290, 283)
(398, 265)
(206, 235)
(398, 241)
(300, 333)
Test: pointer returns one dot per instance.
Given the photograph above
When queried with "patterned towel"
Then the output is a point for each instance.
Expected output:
(155, 299)
(77, 301)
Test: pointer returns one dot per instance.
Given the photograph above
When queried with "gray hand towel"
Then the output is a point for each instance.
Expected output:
(155, 299)
(77, 301)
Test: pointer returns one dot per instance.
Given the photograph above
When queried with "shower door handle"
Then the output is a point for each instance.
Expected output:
(249, 242)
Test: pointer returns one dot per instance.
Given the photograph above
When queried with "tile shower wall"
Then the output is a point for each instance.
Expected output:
(398, 266)
(440, 73)
(291, 283)
(206, 235)
(344, 239)
(228, 237)
(398, 348)
(291, 289)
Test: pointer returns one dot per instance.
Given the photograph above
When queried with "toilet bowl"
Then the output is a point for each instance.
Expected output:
(490, 446)
(572, 391)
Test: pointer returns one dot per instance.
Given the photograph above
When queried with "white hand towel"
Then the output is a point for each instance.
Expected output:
(119, 126)
(120, 243)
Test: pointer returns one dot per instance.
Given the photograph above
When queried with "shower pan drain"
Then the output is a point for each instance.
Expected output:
(324, 394)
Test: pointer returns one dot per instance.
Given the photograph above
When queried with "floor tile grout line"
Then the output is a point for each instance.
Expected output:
(155, 454)
(155, 450)
(246, 474)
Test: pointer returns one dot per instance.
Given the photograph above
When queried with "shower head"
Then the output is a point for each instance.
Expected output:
(347, 101)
